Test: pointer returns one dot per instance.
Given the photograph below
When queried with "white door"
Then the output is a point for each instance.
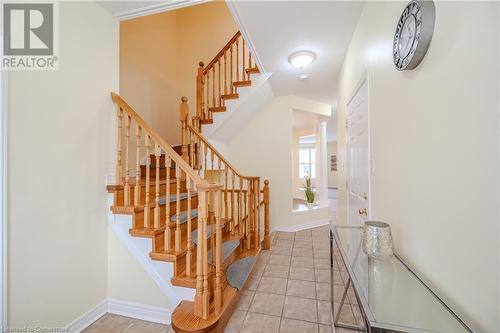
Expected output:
(358, 156)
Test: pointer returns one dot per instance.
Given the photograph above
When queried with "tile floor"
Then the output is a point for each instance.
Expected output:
(288, 292)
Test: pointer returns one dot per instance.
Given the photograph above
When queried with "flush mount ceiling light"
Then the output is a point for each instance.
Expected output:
(302, 59)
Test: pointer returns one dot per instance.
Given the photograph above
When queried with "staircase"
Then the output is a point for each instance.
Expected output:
(219, 81)
(201, 214)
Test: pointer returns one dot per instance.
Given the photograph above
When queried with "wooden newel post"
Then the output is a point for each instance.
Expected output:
(267, 238)
(199, 91)
(184, 113)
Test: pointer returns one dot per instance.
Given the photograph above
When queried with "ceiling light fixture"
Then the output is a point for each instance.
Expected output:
(302, 59)
(303, 76)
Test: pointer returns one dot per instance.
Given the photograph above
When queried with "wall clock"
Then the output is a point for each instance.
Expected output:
(413, 34)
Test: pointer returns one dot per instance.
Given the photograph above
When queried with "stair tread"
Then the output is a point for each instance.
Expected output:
(238, 271)
(206, 121)
(252, 70)
(230, 96)
(242, 83)
(210, 231)
(228, 248)
(173, 197)
(217, 109)
(183, 216)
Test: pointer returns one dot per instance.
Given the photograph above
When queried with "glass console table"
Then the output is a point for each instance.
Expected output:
(382, 295)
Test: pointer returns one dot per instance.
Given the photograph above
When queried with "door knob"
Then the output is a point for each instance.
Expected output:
(363, 211)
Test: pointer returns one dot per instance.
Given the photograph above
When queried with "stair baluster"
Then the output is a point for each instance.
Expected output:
(126, 189)
(178, 209)
(118, 172)
(167, 234)
(148, 180)
(137, 188)
(156, 219)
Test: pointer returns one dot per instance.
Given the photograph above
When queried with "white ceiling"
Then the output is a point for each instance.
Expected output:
(278, 28)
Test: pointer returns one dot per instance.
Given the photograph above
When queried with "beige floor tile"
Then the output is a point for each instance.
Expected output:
(260, 323)
(305, 289)
(282, 250)
(306, 244)
(272, 285)
(300, 308)
(259, 268)
(323, 291)
(263, 257)
(235, 322)
(338, 291)
(322, 263)
(322, 254)
(346, 315)
(277, 271)
(270, 304)
(253, 282)
(322, 275)
(284, 243)
(278, 259)
(302, 262)
(301, 273)
(245, 300)
(297, 326)
(326, 329)
(324, 312)
(302, 252)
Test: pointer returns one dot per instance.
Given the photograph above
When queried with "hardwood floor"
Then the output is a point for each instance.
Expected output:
(110, 323)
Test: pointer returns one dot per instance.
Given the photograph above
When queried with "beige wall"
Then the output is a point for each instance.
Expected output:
(60, 149)
(159, 56)
(137, 287)
(430, 127)
(332, 175)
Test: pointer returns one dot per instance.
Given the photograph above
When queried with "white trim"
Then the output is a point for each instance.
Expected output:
(86, 319)
(3, 193)
(155, 9)
(140, 311)
(246, 36)
(304, 226)
(123, 308)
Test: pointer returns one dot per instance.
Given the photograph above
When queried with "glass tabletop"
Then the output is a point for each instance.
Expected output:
(393, 297)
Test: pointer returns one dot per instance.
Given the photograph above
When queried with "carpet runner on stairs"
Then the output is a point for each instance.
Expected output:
(210, 232)
(173, 197)
(183, 216)
(238, 272)
(228, 248)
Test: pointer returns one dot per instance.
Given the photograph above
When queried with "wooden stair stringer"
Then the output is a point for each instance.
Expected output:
(184, 320)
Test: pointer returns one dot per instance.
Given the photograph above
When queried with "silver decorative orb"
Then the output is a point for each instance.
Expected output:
(377, 240)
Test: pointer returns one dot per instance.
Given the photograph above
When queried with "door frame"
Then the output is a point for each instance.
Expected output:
(3, 190)
(364, 79)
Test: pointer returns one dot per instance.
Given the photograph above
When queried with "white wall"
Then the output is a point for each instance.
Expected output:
(435, 144)
(264, 148)
(60, 149)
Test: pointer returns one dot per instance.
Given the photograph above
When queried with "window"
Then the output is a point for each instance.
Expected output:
(307, 162)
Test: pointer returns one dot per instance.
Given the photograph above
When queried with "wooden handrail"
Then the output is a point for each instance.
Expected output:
(184, 166)
(221, 52)
(218, 154)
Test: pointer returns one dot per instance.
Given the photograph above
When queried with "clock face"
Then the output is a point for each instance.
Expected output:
(413, 34)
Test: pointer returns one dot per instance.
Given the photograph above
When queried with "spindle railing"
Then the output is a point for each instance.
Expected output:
(242, 195)
(147, 193)
(217, 81)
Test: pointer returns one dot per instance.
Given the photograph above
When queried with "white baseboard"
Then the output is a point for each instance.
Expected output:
(123, 308)
(140, 311)
(303, 226)
(87, 318)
